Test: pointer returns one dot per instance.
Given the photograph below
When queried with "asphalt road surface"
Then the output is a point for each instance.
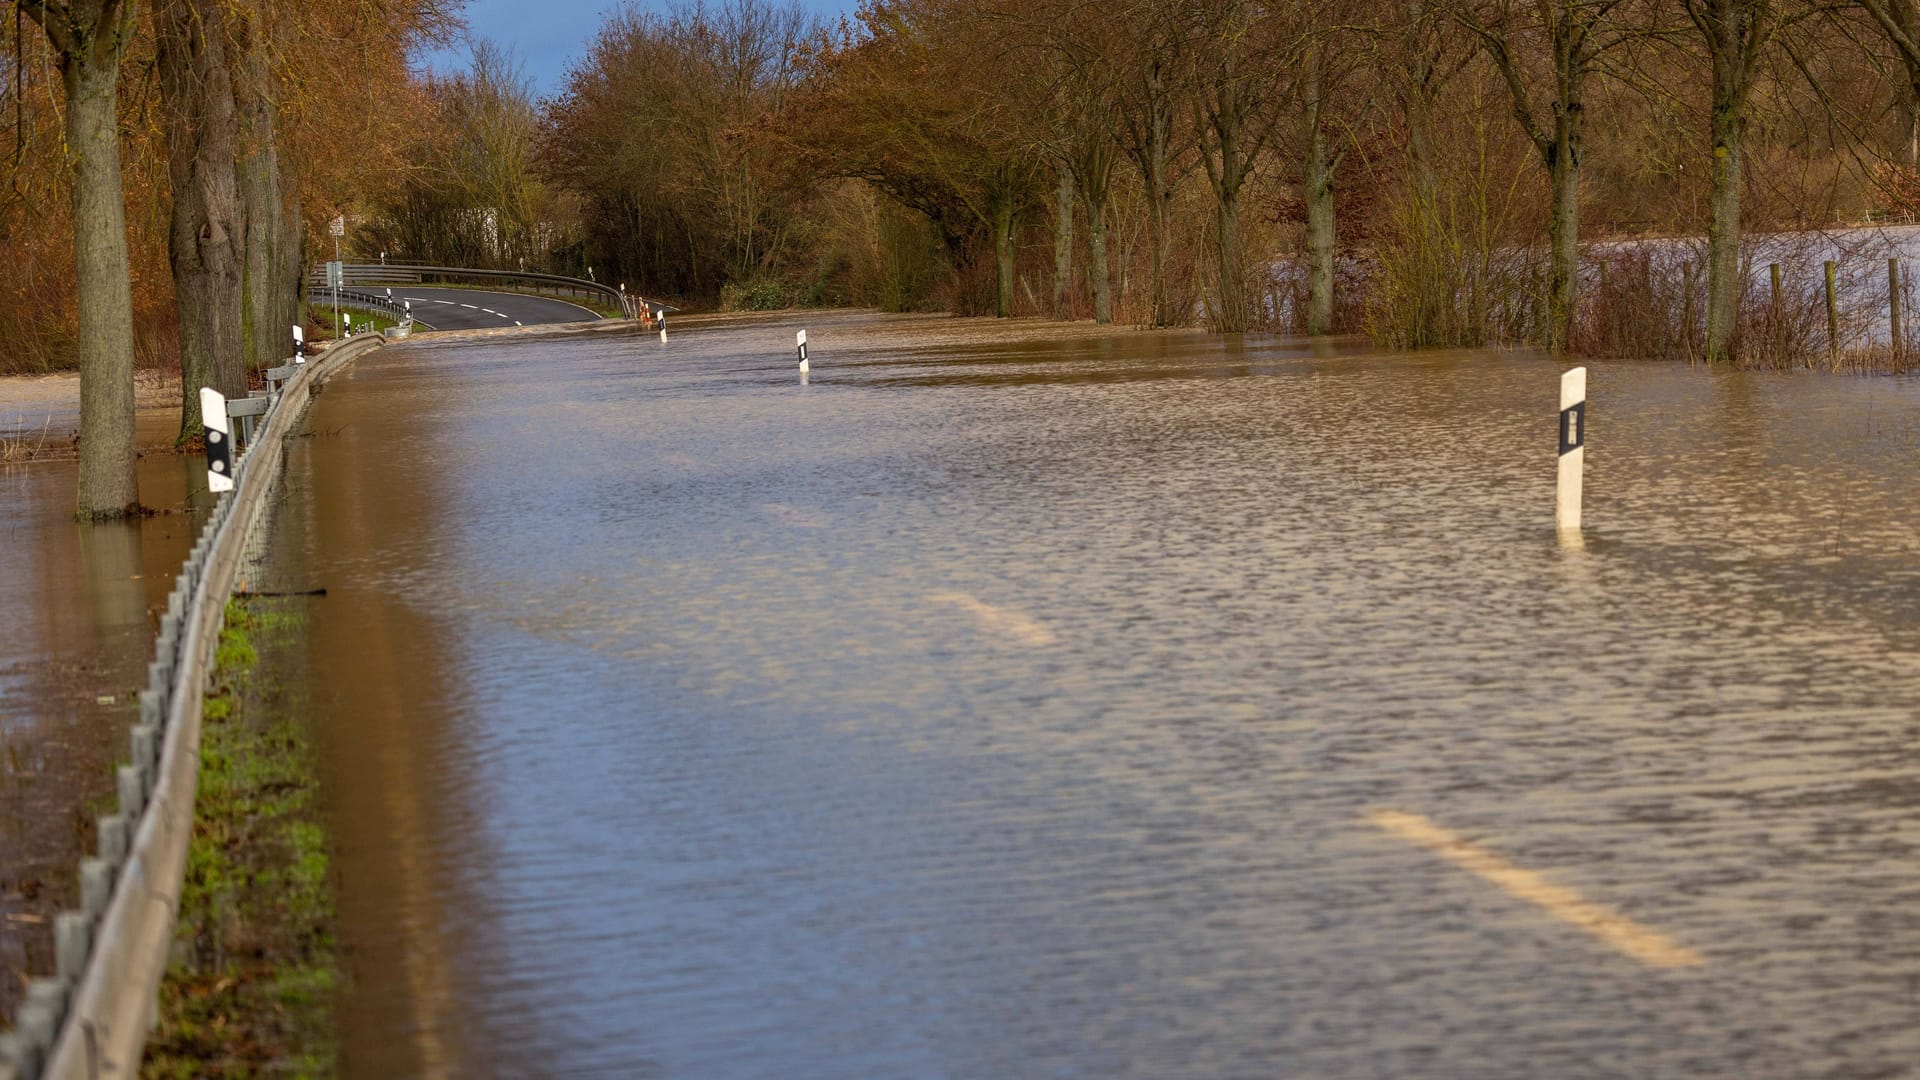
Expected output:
(471, 309)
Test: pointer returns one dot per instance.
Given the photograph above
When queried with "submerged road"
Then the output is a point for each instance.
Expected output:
(470, 309)
(1133, 705)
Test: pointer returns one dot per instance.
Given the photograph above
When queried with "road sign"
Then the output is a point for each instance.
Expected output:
(339, 226)
(336, 275)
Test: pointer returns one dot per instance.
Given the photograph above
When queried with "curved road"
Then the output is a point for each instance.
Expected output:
(470, 309)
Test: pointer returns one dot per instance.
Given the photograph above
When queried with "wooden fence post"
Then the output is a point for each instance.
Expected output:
(1896, 336)
(1833, 319)
(1777, 316)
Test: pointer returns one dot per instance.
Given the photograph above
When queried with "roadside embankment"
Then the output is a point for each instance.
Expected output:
(93, 1015)
(251, 988)
(40, 414)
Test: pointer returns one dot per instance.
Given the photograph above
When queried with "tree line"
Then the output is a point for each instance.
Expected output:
(1420, 170)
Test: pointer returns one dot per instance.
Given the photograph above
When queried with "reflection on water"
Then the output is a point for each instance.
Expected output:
(77, 637)
(1028, 708)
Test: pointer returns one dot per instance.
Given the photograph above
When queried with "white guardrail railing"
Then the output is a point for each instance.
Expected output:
(91, 1018)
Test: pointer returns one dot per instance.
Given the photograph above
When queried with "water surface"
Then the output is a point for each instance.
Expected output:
(81, 604)
(1016, 708)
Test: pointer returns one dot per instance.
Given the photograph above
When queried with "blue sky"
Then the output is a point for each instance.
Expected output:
(546, 35)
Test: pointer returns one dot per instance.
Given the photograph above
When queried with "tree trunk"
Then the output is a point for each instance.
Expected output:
(1317, 193)
(1159, 232)
(108, 485)
(1063, 244)
(1150, 150)
(1320, 236)
(267, 341)
(1102, 275)
(266, 337)
(204, 241)
(1723, 234)
(1231, 316)
(1563, 231)
(1003, 257)
(290, 285)
(1913, 118)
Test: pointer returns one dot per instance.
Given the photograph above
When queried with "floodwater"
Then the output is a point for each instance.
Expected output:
(80, 607)
(1137, 706)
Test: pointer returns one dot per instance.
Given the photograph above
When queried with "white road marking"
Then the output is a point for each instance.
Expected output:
(518, 323)
(449, 303)
(795, 516)
(502, 314)
(998, 620)
(1650, 947)
(469, 307)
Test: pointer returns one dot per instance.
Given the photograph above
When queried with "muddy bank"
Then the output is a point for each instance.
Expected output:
(40, 414)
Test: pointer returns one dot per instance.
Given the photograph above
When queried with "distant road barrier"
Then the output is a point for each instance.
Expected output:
(91, 1019)
(372, 303)
(362, 274)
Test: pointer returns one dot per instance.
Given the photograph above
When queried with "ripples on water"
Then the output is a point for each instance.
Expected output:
(1015, 709)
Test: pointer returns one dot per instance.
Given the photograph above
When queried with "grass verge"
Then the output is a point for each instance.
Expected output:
(252, 985)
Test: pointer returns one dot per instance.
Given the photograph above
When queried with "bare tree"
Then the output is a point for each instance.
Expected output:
(1150, 49)
(1333, 96)
(1899, 22)
(270, 240)
(202, 126)
(1078, 101)
(1735, 34)
(89, 38)
(1545, 50)
(1238, 59)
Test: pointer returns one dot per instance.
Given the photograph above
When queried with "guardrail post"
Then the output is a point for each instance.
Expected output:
(113, 839)
(72, 937)
(35, 1023)
(96, 886)
(12, 1056)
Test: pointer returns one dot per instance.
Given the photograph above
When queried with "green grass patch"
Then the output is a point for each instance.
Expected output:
(256, 968)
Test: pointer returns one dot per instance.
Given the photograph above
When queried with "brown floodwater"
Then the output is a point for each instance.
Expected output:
(1003, 702)
(80, 607)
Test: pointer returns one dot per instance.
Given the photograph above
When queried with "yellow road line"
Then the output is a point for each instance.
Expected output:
(998, 620)
(1650, 947)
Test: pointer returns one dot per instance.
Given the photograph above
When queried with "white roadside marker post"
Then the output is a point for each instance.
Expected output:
(299, 345)
(1573, 452)
(219, 429)
(801, 340)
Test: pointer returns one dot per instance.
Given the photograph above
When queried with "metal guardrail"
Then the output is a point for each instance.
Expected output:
(90, 1020)
(406, 273)
(373, 303)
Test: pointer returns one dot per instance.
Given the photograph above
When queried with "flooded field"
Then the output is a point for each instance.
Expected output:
(1010, 702)
(77, 637)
